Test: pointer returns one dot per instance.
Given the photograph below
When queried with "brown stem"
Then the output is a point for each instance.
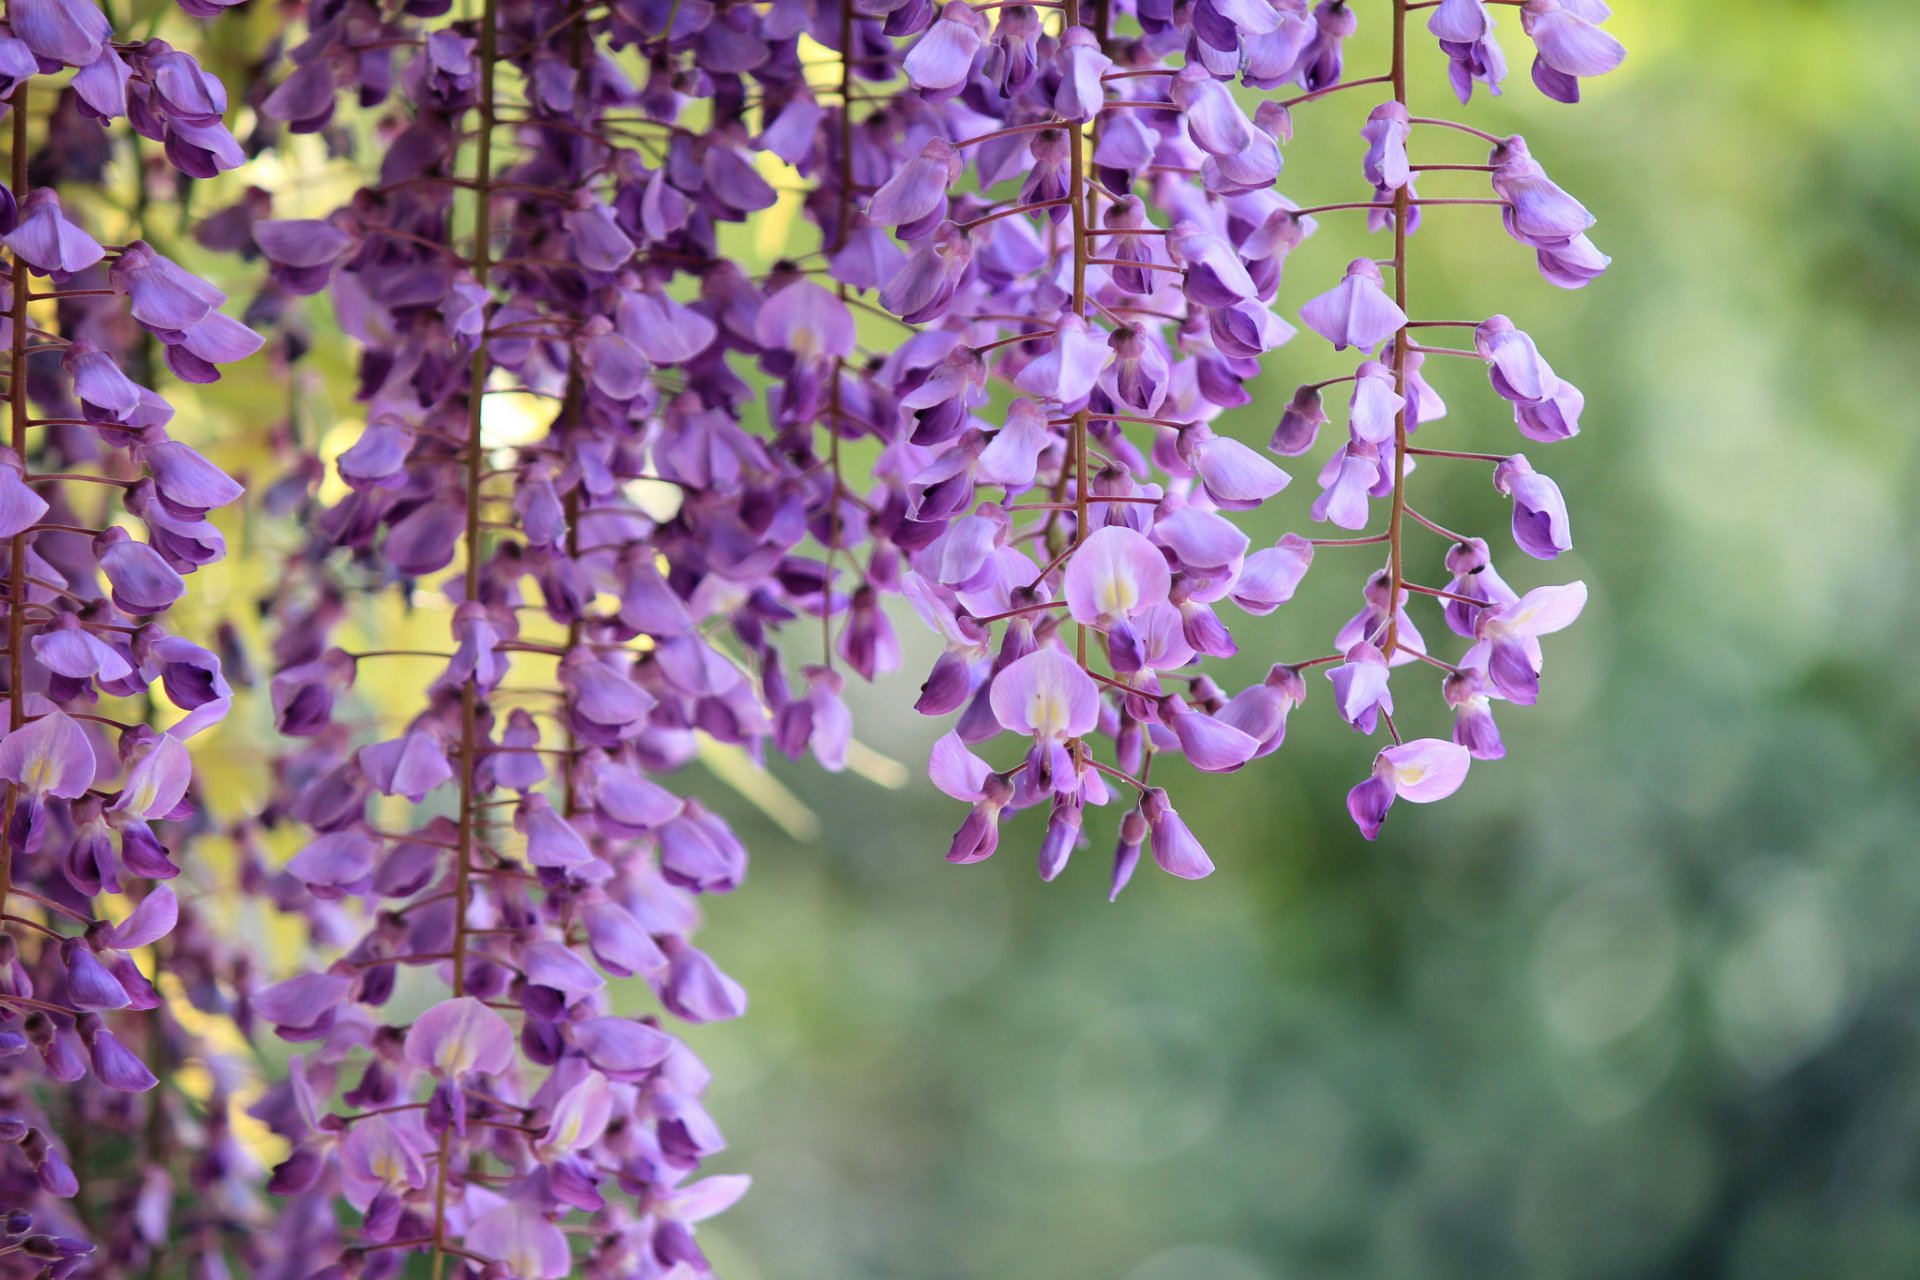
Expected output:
(1402, 202)
(1077, 193)
(469, 696)
(17, 545)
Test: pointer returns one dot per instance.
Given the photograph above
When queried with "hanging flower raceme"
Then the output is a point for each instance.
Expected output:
(1113, 281)
(509, 839)
(105, 517)
(603, 473)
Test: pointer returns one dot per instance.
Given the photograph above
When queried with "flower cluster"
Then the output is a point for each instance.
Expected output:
(1093, 248)
(479, 870)
(599, 509)
(105, 517)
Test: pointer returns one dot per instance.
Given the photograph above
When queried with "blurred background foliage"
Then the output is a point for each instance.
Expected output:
(1639, 1002)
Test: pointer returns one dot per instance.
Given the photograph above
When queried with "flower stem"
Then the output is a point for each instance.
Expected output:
(469, 693)
(1396, 567)
(1077, 193)
(17, 545)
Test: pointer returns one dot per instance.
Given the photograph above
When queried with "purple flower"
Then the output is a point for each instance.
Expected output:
(1356, 312)
(113, 1063)
(48, 756)
(1234, 476)
(1081, 63)
(1360, 686)
(165, 299)
(1174, 847)
(1300, 424)
(66, 31)
(45, 238)
(459, 1037)
(1271, 574)
(621, 1048)
(20, 507)
(1509, 636)
(1387, 131)
(922, 289)
(339, 862)
(1571, 42)
(1114, 576)
(302, 1007)
(1210, 744)
(523, 1240)
(1540, 523)
(917, 191)
(1537, 212)
(942, 58)
(157, 782)
(1473, 723)
(1047, 696)
(410, 765)
(1422, 771)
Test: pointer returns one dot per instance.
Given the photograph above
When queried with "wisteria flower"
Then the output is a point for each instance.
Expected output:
(1424, 770)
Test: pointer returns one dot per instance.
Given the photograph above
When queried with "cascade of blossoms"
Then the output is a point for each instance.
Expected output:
(104, 517)
(480, 872)
(1109, 309)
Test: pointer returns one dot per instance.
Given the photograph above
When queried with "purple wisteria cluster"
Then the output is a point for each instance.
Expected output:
(1094, 246)
(105, 517)
(602, 484)
(479, 870)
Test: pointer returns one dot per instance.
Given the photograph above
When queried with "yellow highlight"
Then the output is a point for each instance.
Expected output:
(762, 790)
(774, 227)
(510, 418)
(1118, 595)
(881, 770)
(194, 1080)
(1048, 713)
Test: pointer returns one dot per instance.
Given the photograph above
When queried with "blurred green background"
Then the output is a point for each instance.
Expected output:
(1640, 1002)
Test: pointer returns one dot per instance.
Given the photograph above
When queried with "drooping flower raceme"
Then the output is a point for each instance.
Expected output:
(600, 483)
(105, 518)
(508, 842)
(1091, 270)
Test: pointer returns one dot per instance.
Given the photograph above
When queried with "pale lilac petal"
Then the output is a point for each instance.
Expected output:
(698, 1201)
(157, 782)
(1116, 573)
(620, 942)
(1272, 574)
(1542, 611)
(149, 922)
(620, 1047)
(1356, 312)
(1460, 21)
(459, 1036)
(521, 1238)
(50, 756)
(554, 964)
(300, 242)
(1570, 44)
(1174, 848)
(808, 321)
(956, 770)
(20, 506)
(340, 861)
(1047, 695)
(581, 1115)
(1427, 769)
(410, 765)
(1235, 477)
(942, 57)
(47, 240)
